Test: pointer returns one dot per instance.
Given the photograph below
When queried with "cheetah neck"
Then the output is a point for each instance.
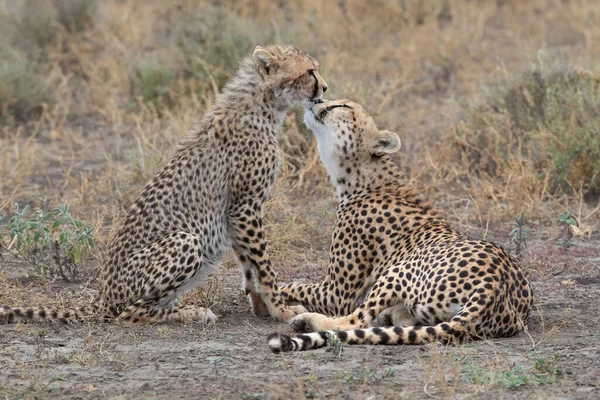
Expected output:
(350, 177)
(376, 175)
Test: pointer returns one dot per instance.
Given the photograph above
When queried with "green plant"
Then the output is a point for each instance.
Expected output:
(334, 344)
(514, 377)
(215, 361)
(520, 234)
(75, 15)
(543, 372)
(370, 373)
(548, 365)
(35, 24)
(24, 88)
(214, 40)
(475, 374)
(566, 221)
(54, 243)
(253, 396)
(153, 82)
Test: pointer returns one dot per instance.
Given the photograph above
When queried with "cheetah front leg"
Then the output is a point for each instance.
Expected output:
(260, 282)
(310, 296)
(378, 300)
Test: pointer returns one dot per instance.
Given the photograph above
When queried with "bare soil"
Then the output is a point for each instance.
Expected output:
(230, 359)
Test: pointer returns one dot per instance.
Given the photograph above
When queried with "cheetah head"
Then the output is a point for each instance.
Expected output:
(349, 143)
(292, 75)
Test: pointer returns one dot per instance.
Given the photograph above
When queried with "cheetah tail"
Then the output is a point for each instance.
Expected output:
(41, 313)
(394, 335)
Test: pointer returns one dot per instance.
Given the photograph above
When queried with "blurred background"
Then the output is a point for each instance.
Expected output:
(496, 102)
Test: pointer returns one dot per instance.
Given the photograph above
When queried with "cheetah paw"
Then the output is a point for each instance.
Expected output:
(209, 317)
(309, 322)
(298, 309)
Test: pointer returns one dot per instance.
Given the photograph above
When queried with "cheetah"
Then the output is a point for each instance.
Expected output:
(398, 272)
(208, 199)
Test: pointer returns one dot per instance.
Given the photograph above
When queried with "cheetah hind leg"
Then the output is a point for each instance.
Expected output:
(396, 315)
(176, 313)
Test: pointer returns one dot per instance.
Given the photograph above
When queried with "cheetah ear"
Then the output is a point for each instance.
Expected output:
(263, 59)
(386, 142)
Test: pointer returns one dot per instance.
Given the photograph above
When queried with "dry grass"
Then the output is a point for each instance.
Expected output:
(94, 97)
(95, 94)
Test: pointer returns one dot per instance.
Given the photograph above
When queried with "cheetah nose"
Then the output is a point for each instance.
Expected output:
(318, 101)
(324, 88)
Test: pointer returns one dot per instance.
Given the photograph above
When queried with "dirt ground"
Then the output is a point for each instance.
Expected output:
(231, 360)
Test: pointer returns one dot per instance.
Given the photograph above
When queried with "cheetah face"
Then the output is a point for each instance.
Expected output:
(346, 131)
(348, 139)
(292, 75)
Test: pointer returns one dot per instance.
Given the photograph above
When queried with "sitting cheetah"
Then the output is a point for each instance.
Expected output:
(395, 260)
(208, 198)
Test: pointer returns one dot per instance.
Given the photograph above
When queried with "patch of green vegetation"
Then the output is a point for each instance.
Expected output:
(548, 365)
(253, 396)
(477, 375)
(76, 15)
(215, 39)
(28, 79)
(153, 82)
(39, 23)
(54, 243)
(212, 41)
(34, 25)
(543, 372)
(334, 344)
(566, 221)
(514, 377)
(24, 89)
(215, 361)
(370, 374)
(547, 120)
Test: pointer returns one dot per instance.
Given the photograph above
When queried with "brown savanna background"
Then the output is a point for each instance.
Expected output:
(497, 104)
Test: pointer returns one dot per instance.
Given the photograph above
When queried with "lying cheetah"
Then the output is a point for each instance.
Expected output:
(208, 198)
(394, 259)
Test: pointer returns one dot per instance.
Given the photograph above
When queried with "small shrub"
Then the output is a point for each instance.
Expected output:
(75, 15)
(334, 344)
(567, 221)
(35, 24)
(24, 89)
(514, 377)
(548, 365)
(367, 374)
(54, 243)
(475, 374)
(153, 82)
(544, 371)
(215, 39)
(547, 123)
(520, 234)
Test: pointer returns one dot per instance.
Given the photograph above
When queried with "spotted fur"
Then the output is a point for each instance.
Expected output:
(395, 261)
(209, 198)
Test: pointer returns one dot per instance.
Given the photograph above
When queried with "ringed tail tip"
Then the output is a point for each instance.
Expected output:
(279, 343)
